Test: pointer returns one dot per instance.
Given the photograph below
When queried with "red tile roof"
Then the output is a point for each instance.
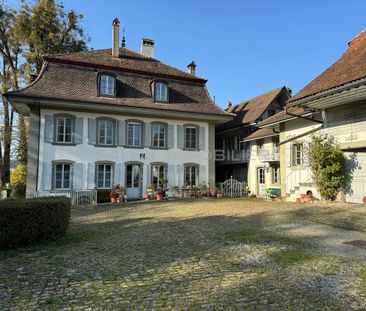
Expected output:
(282, 116)
(350, 67)
(128, 61)
(63, 78)
(261, 133)
(251, 110)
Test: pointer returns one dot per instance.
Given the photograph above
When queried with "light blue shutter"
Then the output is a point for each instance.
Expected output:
(148, 174)
(79, 129)
(119, 177)
(92, 131)
(49, 129)
(78, 172)
(121, 133)
(170, 136)
(47, 175)
(202, 138)
(147, 134)
(180, 170)
(91, 175)
(180, 137)
(142, 143)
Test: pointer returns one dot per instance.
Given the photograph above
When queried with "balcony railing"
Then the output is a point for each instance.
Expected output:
(269, 156)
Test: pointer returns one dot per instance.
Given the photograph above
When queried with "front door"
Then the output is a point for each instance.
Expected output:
(133, 181)
(261, 181)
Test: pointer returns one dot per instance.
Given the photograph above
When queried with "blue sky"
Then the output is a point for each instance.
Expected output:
(243, 48)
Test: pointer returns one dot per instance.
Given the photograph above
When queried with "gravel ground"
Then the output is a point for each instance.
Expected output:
(229, 254)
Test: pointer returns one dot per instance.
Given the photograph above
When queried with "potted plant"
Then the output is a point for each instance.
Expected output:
(150, 191)
(115, 193)
(160, 194)
(213, 192)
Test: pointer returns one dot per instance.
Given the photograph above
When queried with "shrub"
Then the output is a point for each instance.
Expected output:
(327, 165)
(25, 221)
(18, 181)
(103, 195)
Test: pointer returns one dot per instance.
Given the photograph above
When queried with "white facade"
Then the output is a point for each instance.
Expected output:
(347, 124)
(84, 156)
(263, 166)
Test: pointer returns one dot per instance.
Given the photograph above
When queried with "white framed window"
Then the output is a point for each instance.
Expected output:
(298, 154)
(159, 135)
(106, 132)
(62, 176)
(276, 175)
(107, 85)
(158, 175)
(104, 175)
(64, 129)
(191, 175)
(134, 134)
(191, 137)
(160, 92)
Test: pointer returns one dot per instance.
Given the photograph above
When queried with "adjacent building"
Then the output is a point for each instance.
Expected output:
(115, 116)
(250, 154)
(333, 103)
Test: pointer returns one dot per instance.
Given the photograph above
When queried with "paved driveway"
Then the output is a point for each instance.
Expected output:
(192, 255)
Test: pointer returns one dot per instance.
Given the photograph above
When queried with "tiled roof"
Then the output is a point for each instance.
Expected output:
(128, 60)
(68, 81)
(249, 111)
(282, 116)
(350, 67)
(260, 133)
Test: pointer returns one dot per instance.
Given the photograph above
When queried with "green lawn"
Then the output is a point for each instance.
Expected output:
(186, 255)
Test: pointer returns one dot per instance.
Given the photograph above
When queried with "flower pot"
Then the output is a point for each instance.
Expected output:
(364, 200)
(213, 192)
(159, 196)
(114, 200)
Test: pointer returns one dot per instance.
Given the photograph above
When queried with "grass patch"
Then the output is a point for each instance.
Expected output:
(362, 275)
(291, 257)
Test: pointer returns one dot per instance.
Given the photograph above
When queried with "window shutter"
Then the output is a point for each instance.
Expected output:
(119, 177)
(170, 133)
(202, 138)
(91, 176)
(288, 154)
(92, 131)
(180, 137)
(47, 176)
(121, 141)
(78, 172)
(142, 143)
(180, 170)
(49, 129)
(148, 173)
(79, 127)
(147, 134)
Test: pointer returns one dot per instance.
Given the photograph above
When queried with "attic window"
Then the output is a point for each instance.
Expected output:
(107, 85)
(160, 92)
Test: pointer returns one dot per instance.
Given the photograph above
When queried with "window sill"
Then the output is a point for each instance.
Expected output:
(191, 149)
(160, 148)
(107, 95)
(134, 147)
(297, 167)
(63, 144)
(106, 146)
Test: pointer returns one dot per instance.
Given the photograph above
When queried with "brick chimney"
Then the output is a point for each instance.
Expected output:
(115, 38)
(147, 47)
(192, 68)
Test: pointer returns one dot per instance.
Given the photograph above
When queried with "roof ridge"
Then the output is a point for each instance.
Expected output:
(260, 95)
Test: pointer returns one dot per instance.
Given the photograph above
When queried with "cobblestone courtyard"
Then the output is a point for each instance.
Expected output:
(235, 254)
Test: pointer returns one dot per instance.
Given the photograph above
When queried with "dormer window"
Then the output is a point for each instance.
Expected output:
(107, 85)
(160, 92)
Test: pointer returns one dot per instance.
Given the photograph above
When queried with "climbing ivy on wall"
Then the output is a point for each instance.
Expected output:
(327, 165)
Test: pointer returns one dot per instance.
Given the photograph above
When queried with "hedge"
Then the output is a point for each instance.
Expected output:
(25, 221)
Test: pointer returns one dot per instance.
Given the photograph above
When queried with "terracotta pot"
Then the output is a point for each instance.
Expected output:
(213, 192)
(364, 201)
(159, 196)
(114, 200)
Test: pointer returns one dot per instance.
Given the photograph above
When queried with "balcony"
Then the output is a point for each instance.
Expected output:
(269, 156)
(231, 156)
